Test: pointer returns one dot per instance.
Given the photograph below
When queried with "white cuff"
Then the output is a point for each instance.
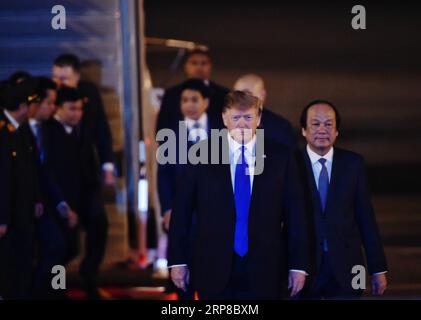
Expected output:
(63, 208)
(177, 265)
(299, 271)
(108, 166)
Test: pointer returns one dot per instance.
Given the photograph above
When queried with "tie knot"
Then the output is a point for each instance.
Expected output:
(242, 157)
(196, 125)
(322, 161)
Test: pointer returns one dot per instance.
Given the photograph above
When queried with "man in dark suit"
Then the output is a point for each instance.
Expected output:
(66, 72)
(340, 207)
(250, 223)
(49, 240)
(276, 127)
(19, 192)
(196, 126)
(70, 160)
(198, 65)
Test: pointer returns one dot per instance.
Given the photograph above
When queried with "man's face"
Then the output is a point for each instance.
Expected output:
(241, 124)
(65, 76)
(321, 131)
(23, 112)
(71, 112)
(198, 66)
(47, 106)
(193, 104)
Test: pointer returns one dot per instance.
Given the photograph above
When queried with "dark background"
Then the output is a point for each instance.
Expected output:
(306, 51)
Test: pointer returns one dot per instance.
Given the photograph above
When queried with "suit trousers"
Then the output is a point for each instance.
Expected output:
(238, 284)
(327, 287)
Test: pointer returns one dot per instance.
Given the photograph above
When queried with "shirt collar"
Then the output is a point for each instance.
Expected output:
(234, 146)
(69, 129)
(203, 121)
(33, 122)
(12, 120)
(314, 157)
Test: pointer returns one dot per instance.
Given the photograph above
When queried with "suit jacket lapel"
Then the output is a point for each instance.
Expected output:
(255, 189)
(312, 183)
(336, 168)
(208, 129)
(224, 172)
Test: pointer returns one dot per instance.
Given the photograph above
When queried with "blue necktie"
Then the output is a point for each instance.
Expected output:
(323, 183)
(323, 189)
(38, 138)
(242, 193)
(196, 127)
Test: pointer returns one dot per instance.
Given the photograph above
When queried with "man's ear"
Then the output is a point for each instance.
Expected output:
(303, 132)
(263, 96)
(225, 118)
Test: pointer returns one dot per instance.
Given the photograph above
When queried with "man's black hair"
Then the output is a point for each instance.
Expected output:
(196, 85)
(45, 84)
(67, 94)
(303, 117)
(68, 60)
(197, 51)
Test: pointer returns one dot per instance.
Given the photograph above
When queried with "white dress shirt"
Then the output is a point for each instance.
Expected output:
(33, 123)
(249, 154)
(317, 166)
(68, 129)
(194, 132)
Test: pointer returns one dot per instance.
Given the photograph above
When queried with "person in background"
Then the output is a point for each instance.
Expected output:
(20, 199)
(71, 161)
(275, 127)
(49, 241)
(66, 72)
(198, 65)
(194, 102)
